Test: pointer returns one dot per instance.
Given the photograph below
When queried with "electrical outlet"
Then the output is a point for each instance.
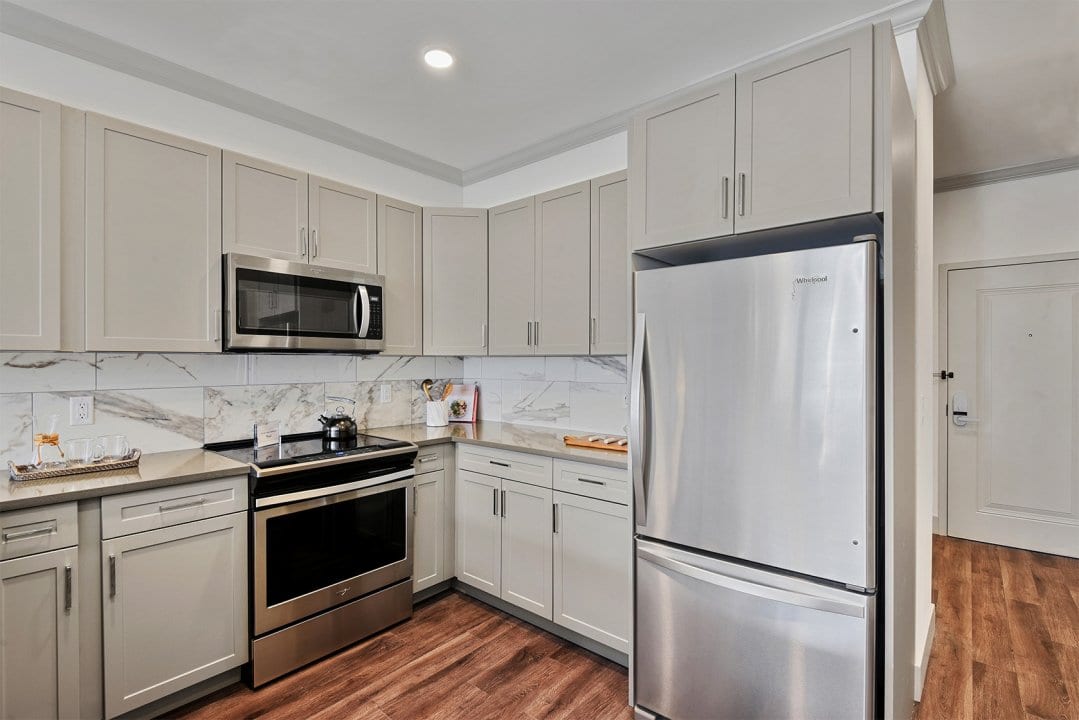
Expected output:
(385, 393)
(81, 410)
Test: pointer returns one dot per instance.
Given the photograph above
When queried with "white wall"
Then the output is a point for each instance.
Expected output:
(40, 71)
(588, 161)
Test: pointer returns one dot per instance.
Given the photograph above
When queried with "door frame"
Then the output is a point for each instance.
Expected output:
(940, 521)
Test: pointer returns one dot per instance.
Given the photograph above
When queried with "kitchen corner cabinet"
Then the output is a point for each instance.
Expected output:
(805, 134)
(433, 546)
(512, 277)
(527, 519)
(175, 608)
(400, 261)
(609, 323)
(562, 271)
(454, 281)
(264, 208)
(479, 531)
(29, 222)
(153, 240)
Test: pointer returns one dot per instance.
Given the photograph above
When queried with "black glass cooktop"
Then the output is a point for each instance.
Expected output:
(297, 449)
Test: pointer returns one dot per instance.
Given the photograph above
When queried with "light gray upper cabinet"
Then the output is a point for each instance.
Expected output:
(264, 208)
(609, 328)
(563, 222)
(29, 222)
(479, 531)
(512, 277)
(454, 281)
(400, 260)
(39, 636)
(175, 608)
(342, 221)
(527, 518)
(681, 168)
(153, 240)
(805, 134)
(428, 554)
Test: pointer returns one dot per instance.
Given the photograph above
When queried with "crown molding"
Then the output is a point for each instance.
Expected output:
(1017, 172)
(34, 27)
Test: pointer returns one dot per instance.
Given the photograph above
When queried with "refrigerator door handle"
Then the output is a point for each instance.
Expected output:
(788, 597)
(636, 420)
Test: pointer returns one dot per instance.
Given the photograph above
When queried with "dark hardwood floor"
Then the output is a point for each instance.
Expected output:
(456, 658)
(1007, 637)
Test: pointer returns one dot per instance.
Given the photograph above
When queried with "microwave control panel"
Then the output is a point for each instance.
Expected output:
(374, 327)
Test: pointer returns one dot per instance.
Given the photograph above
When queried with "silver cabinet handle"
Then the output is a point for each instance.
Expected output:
(427, 458)
(636, 420)
(314, 242)
(726, 196)
(483, 334)
(494, 501)
(112, 576)
(554, 518)
(182, 505)
(503, 503)
(499, 464)
(592, 332)
(741, 193)
(591, 482)
(67, 588)
(535, 333)
(24, 534)
(529, 323)
(303, 241)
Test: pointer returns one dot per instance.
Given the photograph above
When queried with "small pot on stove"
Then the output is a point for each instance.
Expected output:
(339, 426)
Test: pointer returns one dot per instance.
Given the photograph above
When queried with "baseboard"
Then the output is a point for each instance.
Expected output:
(926, 649)
(430, 592)
(178, 699)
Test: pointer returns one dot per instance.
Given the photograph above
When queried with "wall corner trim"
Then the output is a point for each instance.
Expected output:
(1017, 172)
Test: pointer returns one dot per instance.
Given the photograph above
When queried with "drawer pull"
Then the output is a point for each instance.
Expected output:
(67, 588)
(24, 534)
(112, 576)
(500, 464)
(427, 458)
(182, 505)
(591, 482)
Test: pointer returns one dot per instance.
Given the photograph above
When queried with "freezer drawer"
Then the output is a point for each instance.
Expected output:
(718, 640)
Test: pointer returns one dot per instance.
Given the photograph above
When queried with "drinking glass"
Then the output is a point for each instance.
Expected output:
(83, 450)
(113, 447)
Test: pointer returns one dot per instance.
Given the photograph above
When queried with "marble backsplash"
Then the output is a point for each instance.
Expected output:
(176, 401)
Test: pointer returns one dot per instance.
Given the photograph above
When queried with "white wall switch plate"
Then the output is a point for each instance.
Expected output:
(81, 410)
(385, 393)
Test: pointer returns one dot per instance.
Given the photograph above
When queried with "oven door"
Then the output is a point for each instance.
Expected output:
(280, 305)
(315, 554)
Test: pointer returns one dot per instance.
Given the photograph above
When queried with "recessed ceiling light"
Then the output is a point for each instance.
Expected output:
(438, 58)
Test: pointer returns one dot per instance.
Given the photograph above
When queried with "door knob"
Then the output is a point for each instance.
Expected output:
(961, 410)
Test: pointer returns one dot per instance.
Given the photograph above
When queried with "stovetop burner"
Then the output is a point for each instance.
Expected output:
(299, 450)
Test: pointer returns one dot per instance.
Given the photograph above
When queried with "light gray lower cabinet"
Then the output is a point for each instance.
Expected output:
(429, 539)
(526, 546)
(175, 608)
(591, 568)
(39, 636)
(479, 531)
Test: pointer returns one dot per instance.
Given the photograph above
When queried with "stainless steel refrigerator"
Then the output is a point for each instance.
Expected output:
(754, 445)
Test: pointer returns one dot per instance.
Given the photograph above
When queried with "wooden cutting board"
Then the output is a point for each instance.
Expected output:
(583, 441)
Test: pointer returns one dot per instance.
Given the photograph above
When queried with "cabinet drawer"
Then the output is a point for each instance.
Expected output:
(431, 458)
(161, 507)
(38, 530)
(594, 481)
(522, 467)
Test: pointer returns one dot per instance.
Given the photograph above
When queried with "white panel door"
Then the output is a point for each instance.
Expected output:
(1013, 460)
(454, 281)
(153, 240)
(512, 277)
(479, 531)
(527, 519)
(428, 559)
(264, 208)
(805, 134)
(29, 222)
(342, 221)
(681, 168)
(591, 568)
(400, 261)
(174, 608)
(610, 267)
(563, 229)
(39, 636)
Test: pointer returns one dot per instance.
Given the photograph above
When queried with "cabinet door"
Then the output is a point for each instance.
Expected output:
(681, 168)
(563, 225)
(39, 636)
(153, 240)
(610, 267)
(29, 222)
(526, 547)
(400, 261)
(342, 226)
(264, 208)
(805, 135)
(479, 531)
(175, 608)
(428, 563)
(454, 281)
(512, 273)
(591, 569)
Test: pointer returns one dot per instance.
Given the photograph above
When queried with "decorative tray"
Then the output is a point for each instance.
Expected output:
(29, 472)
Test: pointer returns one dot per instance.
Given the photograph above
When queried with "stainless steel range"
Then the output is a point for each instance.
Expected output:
(331, 545)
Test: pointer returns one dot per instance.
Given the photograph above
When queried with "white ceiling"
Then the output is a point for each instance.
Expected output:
(1016, 95)
(526, 71)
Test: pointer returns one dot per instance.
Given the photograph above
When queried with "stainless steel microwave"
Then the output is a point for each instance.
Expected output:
(281, 305)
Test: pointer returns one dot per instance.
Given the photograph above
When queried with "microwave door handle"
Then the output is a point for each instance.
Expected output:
(363, 309)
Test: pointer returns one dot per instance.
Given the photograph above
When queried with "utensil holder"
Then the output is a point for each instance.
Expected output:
(438, 413)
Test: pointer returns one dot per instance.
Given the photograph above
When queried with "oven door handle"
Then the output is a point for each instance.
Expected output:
(318, 497)
(363, 310)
